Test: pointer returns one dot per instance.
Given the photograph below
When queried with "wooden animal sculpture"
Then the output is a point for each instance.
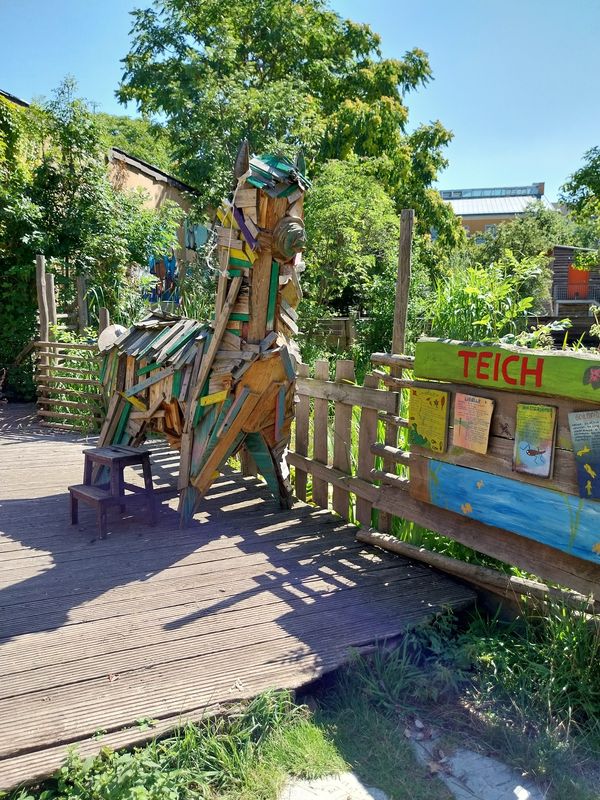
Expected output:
(213, 389)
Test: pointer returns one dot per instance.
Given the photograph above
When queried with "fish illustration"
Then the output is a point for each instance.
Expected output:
(589, 471)
(584, 451)
(466, 508)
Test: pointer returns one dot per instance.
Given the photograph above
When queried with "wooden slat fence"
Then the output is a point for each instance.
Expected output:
(351, 441)
(67, 376)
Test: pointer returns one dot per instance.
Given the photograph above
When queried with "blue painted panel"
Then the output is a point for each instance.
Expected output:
(560, 520)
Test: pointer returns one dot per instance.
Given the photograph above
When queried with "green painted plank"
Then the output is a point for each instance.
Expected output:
(514, 369)
(122, 423)
(239, 317)
(177, 383)
(238, 262)
(273, 288)
(103, 368)
(148, 368)
(159, 376)
(562, 521)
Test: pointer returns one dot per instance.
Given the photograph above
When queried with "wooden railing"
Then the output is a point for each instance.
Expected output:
(352, 441)
(67, 376)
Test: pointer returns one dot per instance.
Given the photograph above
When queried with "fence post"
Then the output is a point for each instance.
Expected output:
(320, 444)
(103, 319)
(407, 217)
(82, 310)
(50, 299)
(367, 435)
(342, 438)
(301, 439)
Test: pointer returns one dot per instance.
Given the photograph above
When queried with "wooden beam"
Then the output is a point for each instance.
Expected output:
(346, 393)
(215, 342)
(82, 309)
(342, 438)
(407, 218)
(42, 298)
(320, 432)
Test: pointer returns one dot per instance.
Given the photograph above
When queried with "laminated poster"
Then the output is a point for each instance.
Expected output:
(428, 419)
(472, 420)
(585, 434)
(535, 431)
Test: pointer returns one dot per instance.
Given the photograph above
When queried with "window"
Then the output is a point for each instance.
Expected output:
(491, 229)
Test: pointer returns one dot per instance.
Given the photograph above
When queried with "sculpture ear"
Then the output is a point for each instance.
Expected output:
(300, 163)
(242, 160)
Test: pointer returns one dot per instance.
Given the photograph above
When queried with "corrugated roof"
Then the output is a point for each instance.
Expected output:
(494, 206)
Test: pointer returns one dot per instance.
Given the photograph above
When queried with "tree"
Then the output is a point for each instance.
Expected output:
(284, 74)
(352, 234)
(582, 189)
(56, 198)
(138, 137)
(535, 232)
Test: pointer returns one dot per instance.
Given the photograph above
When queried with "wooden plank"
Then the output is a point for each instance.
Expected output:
(342, 438)
(158, 376)
(569, 524)
(361, 396)
(220, 327)
(529, 555)
(551, 373)
(43, 344)
(259, 290)
(366, 437)
(407, 217)
(301, 434)
(68, 380)
(388, 360)
(42, 298)
(320, 432)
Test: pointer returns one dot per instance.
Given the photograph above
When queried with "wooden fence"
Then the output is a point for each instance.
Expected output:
(352, 441)
(68, 385)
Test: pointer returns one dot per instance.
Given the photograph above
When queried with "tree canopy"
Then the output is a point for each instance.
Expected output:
(582, 189)
(283, 74)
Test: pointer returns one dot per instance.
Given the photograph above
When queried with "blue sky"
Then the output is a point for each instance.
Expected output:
(517, 81)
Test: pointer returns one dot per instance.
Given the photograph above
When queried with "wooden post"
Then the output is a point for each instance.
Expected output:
(320, 493)
(50, 299)
(82, 310)
(407, 218)
(103, 319)
(302, 427)
(366, 437)
(342, 438)
(42, 298)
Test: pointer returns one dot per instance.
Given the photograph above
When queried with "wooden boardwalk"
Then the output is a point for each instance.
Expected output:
(167, 624)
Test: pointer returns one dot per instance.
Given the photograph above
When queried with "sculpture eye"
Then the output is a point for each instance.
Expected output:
(289, 238)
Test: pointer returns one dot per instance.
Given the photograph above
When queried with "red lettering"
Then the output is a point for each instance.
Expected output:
(466, 355)
(537, 371)
(497, 358)
(508, 360)
(483, 362)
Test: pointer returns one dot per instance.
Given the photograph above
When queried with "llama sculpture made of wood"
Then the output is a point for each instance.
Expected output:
(214, 388)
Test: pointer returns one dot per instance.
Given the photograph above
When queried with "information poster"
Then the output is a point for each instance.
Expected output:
(428, 419)
(585, 435)
(472, 420)
(535, 431)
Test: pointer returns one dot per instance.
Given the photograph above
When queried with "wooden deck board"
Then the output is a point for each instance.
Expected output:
(166, 624)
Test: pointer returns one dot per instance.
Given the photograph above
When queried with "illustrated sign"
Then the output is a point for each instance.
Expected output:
(585, 433)
(428, 419)
(572, 375)
(472, 418)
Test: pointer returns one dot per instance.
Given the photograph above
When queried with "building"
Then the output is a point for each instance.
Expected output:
(573, 290)
(482, 210)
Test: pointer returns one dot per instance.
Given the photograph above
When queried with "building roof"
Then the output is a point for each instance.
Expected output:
(116, 154)
(495, 206)
(14, 99)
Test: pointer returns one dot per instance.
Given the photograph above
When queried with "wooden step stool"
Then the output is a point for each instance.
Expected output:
(103, 495)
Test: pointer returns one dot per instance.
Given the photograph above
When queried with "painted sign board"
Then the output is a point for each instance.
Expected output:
(562, 521)
(515, 369)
